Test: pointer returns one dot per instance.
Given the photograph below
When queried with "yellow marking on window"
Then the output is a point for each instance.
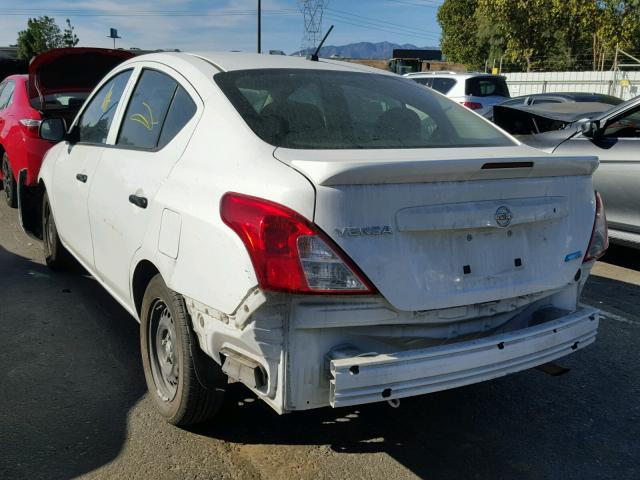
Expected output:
(148, 123)
(107, 100)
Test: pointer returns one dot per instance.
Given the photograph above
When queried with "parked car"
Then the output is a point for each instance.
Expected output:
(546, 99)
(614, 136)
(477, 91)
(57, 84)
(534, 119)
(326, 234)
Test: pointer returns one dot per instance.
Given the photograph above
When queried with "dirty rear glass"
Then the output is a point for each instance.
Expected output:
(315, 109)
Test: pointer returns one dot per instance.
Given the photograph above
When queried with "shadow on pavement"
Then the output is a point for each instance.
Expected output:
(70, 372)
(584, 424)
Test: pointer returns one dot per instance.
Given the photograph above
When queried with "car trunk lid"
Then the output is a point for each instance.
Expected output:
(64, 70)
(445, 228)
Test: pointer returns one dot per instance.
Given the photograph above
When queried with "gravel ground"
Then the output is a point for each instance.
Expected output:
(73, 401)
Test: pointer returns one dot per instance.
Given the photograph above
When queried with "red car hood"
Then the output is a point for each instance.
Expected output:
(70, 70)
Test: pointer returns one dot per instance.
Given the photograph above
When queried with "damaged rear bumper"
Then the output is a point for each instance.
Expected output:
(372, 378)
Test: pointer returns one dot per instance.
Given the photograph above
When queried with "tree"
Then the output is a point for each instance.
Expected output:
(43, 34)
(69, 37)
(539, 34)
(459, 42)
(525, 26)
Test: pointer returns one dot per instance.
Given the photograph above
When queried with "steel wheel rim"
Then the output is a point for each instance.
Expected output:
(163, 355)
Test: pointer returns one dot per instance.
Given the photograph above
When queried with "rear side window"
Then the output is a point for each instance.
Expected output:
(182, 109)
(428, 82)
(147, 109)
(443, 85)
(487, 87)
(7, 94)
(96, 119)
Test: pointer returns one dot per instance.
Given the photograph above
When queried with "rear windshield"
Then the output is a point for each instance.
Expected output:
(315, 109)
(487, 87)
(64, 101)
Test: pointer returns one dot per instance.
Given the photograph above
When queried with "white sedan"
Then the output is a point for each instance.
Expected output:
(325, 233)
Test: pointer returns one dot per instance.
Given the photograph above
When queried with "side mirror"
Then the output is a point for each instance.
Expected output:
(591, 129)
(52, 129)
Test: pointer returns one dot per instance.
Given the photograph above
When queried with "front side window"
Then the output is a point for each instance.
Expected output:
(147, 109)
(626, 126)
(351, 110)
(7, 94)
(94, 124)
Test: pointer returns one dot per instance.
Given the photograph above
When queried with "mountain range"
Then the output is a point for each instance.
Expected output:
(380, 50)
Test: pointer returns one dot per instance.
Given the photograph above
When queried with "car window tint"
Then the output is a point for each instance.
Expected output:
(182, 109)
(486, 87)
(142, 122)
(443, 85)
(94, 124)
(424, 81)
(625, 126)
(352, 110)
(6, 94)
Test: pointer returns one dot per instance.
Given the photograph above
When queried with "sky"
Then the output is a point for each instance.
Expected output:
(226, 24)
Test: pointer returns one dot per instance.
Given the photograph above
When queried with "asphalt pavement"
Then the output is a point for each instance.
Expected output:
(73, 401)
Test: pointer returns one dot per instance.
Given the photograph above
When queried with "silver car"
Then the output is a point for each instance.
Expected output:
(477, 91)
(613, 136)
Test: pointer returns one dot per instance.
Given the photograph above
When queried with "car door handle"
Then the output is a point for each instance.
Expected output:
(81, 177)
(138, 201)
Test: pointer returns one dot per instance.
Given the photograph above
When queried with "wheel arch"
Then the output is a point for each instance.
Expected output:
(142, 275)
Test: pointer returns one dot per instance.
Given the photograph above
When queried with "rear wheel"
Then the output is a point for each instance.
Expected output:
(9, 183)
(169, 350)
(55, 254)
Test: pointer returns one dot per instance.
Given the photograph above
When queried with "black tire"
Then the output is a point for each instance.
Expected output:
(56, 255)
(9, 183)
(170, 351)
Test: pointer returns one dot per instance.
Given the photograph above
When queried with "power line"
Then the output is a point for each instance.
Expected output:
(380, 29)
(144, 13)
(384, 23)
(413, 4)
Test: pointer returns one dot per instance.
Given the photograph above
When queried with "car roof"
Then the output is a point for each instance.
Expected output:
(451, 74)
(231, 61)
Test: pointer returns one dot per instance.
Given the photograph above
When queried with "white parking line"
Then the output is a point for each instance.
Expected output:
(614, 316)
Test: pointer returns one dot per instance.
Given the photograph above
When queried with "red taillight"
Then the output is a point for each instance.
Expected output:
(31, 126)
(472, 105)
(599, 236)
(288, 252)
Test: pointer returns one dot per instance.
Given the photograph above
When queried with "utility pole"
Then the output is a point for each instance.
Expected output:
(259, 26)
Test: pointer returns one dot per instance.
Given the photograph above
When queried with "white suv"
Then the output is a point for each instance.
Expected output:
(477, 91)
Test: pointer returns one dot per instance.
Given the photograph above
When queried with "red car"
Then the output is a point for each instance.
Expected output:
(57, 84)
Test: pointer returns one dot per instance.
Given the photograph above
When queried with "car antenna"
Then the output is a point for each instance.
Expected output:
(314, 57)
